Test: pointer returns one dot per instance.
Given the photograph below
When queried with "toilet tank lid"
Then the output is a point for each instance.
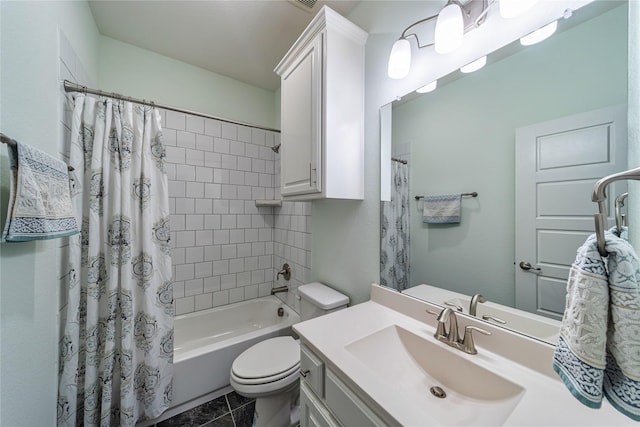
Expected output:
(322, 295)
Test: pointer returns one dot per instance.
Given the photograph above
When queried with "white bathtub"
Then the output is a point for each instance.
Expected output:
(206, 342)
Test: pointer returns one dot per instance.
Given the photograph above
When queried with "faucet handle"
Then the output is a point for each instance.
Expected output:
(468, 345)
(495, 319)
(456, 306)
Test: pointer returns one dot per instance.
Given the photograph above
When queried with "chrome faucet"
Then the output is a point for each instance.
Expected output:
(451, 337)
(474, 303)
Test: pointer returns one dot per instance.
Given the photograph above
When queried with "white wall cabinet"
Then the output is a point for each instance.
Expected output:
(326, 401)
(322, 111)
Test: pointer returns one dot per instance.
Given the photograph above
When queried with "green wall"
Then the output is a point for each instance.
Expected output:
(140, 73)
(462, 138)
(30, 109)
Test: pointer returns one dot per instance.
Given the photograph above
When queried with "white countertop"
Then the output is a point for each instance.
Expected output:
(545, 402)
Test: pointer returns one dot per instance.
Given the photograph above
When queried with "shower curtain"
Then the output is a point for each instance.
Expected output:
(394, 220)
(116, 348)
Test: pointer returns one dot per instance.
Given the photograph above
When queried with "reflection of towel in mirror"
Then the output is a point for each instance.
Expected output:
(444, 209)
(39, 198)
(597, 352)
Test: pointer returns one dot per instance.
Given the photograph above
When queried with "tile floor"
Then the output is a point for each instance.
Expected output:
(231, 410)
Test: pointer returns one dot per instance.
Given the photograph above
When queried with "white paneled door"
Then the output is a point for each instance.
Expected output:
(557, 164)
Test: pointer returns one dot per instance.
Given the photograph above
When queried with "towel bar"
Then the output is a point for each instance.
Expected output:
(599, 195)
(474, 194)
(13, 143)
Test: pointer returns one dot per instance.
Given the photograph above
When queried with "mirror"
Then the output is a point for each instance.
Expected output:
(461, 139)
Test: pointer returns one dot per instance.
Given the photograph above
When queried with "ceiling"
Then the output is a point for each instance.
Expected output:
(241, 39)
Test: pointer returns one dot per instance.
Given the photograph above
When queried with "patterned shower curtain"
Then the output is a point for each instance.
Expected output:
(394, 220)
(116, 349)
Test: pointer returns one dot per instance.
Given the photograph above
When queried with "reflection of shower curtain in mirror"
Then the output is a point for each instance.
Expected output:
(394, 221)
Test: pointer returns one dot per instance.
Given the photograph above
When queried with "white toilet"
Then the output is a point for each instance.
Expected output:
(269, 370)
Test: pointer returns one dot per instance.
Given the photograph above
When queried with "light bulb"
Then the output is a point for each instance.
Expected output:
(475, 65)
(428, 88)
(539, 34)
(399, 59)
(449, 29)
(513, 8)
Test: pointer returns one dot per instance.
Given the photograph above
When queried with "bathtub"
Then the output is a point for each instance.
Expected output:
(206, 343)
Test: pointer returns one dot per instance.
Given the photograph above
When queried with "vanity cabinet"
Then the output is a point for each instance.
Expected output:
(322, 111)
(326, 401)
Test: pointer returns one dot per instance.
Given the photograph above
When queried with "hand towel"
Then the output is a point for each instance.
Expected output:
(598, 352)
(444, 209)
(39, 199)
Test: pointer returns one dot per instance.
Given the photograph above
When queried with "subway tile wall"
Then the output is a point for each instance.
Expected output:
(225, 249)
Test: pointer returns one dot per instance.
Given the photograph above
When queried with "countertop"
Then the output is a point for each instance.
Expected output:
(545, 402)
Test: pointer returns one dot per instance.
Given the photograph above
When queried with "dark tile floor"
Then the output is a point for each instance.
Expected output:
(231, 410)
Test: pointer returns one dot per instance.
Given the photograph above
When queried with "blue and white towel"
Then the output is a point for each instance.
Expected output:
(39, 199)
(444, 209)
(598, 352)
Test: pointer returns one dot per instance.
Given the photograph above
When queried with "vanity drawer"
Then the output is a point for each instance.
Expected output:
(312, 370)
(347, 407)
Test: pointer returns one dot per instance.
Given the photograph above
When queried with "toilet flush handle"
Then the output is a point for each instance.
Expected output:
(304, 373)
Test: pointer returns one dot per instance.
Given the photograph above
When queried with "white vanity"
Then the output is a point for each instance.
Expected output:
(378, 363)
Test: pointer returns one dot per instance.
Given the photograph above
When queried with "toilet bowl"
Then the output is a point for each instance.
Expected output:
(269, 370)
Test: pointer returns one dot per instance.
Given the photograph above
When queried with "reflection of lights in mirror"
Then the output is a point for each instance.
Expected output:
(540, 34)
(475, 65)
(428, 88)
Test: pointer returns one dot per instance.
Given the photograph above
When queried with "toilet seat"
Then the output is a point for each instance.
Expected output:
(270, 366)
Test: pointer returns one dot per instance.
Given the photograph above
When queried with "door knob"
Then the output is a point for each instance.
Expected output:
(527, 266)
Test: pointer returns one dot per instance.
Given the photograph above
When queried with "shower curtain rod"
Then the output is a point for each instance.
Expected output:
(74, 87)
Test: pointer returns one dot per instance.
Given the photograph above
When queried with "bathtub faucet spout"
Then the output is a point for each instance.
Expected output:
(279, 289)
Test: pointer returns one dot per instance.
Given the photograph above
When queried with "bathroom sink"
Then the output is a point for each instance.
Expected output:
(421, 369)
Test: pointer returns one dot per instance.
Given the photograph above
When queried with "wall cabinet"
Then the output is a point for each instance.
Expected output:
(322, 111)
(326, 401)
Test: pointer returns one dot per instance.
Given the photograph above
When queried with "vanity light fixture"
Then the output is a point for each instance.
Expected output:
(475, 65)
(449, 28)
(451, 23)
(428, 88)
(540, 34)
(514, 8)
(399, 60)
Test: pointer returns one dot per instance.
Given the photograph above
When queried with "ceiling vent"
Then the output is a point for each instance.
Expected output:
(307, 5)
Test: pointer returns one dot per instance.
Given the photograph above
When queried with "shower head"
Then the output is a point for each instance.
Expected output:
(276, 148)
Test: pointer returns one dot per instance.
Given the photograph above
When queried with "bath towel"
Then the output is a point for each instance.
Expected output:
(444, 209)
(39, 198)
(599, 345)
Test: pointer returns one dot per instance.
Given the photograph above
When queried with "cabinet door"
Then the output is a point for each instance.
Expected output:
(301, 117)
(313, 413)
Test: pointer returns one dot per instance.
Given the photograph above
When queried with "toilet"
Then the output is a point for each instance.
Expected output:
(269, 370)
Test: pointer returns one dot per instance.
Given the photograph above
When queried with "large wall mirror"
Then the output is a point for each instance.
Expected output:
(471, 135)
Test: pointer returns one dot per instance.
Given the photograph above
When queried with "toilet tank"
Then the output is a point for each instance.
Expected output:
(318, 299)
